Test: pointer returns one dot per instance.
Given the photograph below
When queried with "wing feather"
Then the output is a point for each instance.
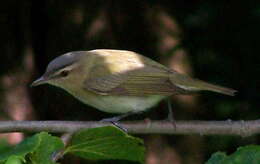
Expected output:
(139, 82)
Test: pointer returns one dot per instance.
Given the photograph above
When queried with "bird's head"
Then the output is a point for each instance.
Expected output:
(64, 71)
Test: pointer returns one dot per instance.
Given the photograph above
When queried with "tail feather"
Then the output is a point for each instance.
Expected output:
(190, 84)
(217, 88)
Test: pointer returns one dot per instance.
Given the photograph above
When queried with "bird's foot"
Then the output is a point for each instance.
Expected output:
(111, 119)
(115, 122)
(171, 120)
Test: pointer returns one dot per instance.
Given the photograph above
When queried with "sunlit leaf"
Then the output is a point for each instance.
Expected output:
(14, 160)
(106, 143)
(48, 145)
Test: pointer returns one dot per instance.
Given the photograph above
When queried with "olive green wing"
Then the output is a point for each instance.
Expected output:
(139, 82)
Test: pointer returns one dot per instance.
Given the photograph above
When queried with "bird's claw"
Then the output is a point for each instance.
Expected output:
(115, 122)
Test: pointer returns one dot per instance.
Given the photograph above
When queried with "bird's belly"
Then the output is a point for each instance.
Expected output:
(125, 104)
(119, 104)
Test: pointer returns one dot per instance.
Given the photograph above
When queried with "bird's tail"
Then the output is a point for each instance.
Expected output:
(216, 88)
(190, 84)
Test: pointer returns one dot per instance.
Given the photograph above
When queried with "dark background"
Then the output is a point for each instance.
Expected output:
(217, 41)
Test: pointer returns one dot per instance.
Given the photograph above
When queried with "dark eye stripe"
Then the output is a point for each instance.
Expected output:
(64, 73)
(57, 69)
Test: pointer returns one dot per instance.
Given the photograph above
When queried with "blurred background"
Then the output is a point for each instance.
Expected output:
(216, 41)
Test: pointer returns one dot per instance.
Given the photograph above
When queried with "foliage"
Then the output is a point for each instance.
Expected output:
(36, 149)
(105, 143)
(247, 154)
(4, 146)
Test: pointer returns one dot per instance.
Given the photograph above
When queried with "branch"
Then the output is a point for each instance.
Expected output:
(241, 128)
(66, 140)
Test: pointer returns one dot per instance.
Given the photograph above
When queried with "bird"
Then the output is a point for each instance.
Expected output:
(120, 81)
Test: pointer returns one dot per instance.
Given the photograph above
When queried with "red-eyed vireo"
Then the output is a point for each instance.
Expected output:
(117, 81)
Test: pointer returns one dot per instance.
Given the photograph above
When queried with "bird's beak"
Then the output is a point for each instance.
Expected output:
(41, 80)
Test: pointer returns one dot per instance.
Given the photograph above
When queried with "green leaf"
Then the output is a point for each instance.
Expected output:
(217, 158)
(48, 145)
(4, 146)
(37, 149)
(247, 154)
(106, 143)
(26, 146)
(14, 160)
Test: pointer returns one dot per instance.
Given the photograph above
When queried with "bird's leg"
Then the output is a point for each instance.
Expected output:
(170, 113)
(115, 120)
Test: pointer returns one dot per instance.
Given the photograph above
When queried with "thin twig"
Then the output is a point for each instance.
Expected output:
(66, 140)
(241, 128)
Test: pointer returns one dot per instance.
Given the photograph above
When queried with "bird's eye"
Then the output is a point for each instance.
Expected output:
(64, 73)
